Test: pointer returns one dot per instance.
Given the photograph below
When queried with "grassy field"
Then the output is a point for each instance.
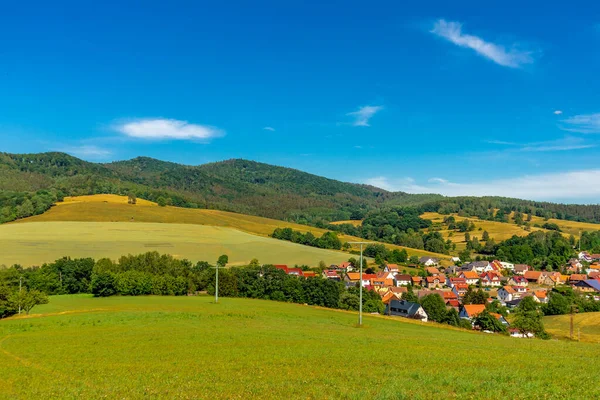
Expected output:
(38, 242)
(353, 222)
(189, 347)
(586, 326)
(568, 227)
(112, 208)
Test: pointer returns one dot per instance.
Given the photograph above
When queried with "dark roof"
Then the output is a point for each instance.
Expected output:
(593, 283)
(425, 258)
(403, 277)
(479, 263)
(408, 307)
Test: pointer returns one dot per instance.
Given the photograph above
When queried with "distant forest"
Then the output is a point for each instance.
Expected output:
(31, 183)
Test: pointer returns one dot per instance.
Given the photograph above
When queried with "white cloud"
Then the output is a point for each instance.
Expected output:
(364, 114)
(552, 186)
(452, 31)
(585, 123)
(158, 129)
(86, 151)
(269, 128)
(563, 144)
(558, 112)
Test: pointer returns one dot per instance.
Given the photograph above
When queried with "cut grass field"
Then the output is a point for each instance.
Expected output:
(586, 326)
(568, 227)
(37, 242)
(112, 208)
(189, 347)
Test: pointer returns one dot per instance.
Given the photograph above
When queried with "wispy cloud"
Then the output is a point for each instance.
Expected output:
(558, 112)
(585, 123)
(562, 186)
(269, 128)
(86, 151)
(364, 114)
(452, 31)
(159, 129)
(563, 144)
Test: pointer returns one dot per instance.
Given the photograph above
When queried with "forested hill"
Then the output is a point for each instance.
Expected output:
(30, 183)
(234, 185)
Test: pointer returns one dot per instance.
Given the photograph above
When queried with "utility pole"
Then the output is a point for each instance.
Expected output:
(361, 281)
(217, 283)
(20, 288)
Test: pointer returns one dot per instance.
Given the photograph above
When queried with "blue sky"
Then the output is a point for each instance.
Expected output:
(440, 97)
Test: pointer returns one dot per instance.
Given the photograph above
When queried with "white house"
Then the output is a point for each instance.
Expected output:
(455, 259)
(428, 261)
(507, 265)
(508, 293)
(584, 256)
(403, 279)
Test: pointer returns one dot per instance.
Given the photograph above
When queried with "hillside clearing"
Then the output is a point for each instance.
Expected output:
(586, 326)
(38, 242)
(112, 208)
(189, 347)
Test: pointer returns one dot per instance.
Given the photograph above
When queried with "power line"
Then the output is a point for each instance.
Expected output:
(361, 280)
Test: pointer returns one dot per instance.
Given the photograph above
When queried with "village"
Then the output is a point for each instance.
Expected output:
(503, 282)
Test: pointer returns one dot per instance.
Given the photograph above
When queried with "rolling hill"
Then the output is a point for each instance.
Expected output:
(190, 347)
(107, 226)
(31, 183)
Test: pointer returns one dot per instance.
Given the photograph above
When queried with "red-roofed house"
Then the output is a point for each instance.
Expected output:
(470, 277)
(470, 311)
(434, 282)
(518, 280)
(392, 268)
(460, 289)
(490, 279)
(331, 274)
(532, 276)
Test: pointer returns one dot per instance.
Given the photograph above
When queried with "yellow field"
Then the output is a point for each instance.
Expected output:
(38, 242)
(104, 198)
(111, 208)
(568, 227)
(586, 326)
(498, 231)
(350, 221)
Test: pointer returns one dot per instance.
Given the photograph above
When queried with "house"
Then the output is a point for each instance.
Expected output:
(518, 280)
(481, 266)
(588, 285)
(385, 275)
(403, 280)
(595, 257)
(389, 296)
(433, 271)
(406, 309)
(282, 267)
(346, 266)
(434, 282)
(391, 268)
(295, 272)
(460, 289)
(500, 318)
(470, 277)
(520, 269)
(451, 270)
(507, 293)
(381, 282)
(507, 265)
(450, 282)
(455, 259)
(490, 279)
(584, 256)
(310, 274)
(331, 274)
(594, 275)
(532, 276)
(428, 261)
(552, 279)
(417, 281)
(470, 311)
(541, 296)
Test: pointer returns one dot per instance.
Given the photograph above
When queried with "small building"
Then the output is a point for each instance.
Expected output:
(533, 276)
(470, 277)
(403, 279)
(417, 281)
(518, 280)
(434, 282)
(520, 269)
(406, 309)
(471, 311)
(576, 278)
(394, 268)
(490, 279)
(428, 261)
(331, 274)
(588, 286)
(433, 271)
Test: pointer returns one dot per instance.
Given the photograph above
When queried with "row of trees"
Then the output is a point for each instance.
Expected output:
(328, 240)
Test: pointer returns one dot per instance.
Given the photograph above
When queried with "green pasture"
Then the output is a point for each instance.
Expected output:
(38, 242)
(189, 347)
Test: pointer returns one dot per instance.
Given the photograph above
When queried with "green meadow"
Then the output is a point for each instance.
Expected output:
(34, 243)
(189, 347)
